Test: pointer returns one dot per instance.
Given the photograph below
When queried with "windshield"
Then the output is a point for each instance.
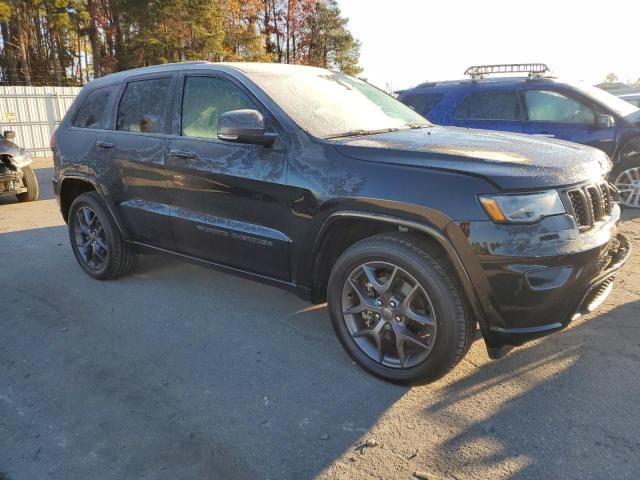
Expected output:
(328, 104)
(617, 105)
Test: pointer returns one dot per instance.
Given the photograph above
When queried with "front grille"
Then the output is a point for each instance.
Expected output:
(590, 203)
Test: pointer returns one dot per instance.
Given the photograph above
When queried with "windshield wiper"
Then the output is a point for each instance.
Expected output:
(362, 132)
(418, 125)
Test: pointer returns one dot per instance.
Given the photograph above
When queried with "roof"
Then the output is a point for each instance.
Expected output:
(244, 67)
(494, 81)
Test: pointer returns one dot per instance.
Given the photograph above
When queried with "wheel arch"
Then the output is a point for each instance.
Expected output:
(332, 241)
(72, 186)
(617, 159)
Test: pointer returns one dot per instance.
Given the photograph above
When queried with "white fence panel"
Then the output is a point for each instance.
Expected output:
(34, 113)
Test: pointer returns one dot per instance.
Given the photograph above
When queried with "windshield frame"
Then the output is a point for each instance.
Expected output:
(258, 79)
(614, 104)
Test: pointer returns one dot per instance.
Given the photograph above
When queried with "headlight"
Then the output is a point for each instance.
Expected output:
(524, 208)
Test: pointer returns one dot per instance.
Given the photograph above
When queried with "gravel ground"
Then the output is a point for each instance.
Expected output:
(182, 372)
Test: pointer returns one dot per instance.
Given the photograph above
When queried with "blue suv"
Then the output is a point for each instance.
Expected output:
(538, 104)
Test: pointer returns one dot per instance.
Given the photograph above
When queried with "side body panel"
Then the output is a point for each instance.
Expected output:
(131, 166)
(229, 200)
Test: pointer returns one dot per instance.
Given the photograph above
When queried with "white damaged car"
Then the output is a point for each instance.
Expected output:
(16, 176)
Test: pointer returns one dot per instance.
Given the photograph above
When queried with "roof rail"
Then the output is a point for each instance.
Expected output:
(533, 69)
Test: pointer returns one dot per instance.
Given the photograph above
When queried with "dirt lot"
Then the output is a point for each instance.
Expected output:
(182, 372)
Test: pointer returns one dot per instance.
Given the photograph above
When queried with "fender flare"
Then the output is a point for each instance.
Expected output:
(105, 197)
(434, 232)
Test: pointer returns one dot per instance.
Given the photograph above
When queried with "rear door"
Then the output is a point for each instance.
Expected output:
(558, 115)
(78, 144)
(498, 109)
(134, 150)
(229, 200)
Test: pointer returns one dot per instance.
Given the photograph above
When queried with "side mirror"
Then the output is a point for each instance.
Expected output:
(9, 134)
(605, 121)
(244, 126)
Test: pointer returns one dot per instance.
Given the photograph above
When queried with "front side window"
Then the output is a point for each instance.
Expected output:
(143, 107)
(204, 100)
(423, 102)
(93, 111)
(497, 105)
(548, 106)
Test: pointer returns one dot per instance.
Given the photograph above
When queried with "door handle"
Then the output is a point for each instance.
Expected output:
(182, 154)
(101, 144)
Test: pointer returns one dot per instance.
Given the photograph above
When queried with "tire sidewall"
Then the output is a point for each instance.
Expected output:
(434, 282)
(30, 182)
(92, 201)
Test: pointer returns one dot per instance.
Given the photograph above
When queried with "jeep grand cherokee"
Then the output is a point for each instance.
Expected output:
(319, 182)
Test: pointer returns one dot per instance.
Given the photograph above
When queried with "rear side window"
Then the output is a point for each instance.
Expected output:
(423, 103)
(497, 105)
(143, 107)
(204, 100)
(93, 111)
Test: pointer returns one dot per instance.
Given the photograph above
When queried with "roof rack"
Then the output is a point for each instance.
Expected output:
(533, 69)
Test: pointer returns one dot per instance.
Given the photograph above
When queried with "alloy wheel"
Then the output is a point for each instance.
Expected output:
(628, 183)
(91, 238)
(389, 315)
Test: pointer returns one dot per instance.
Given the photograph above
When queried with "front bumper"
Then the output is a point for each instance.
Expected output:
(533, 280)
(581, 297)
(11, 182)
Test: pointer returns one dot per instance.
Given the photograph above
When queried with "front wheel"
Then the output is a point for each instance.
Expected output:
(397, 309)
(30, 182)
(626, 178)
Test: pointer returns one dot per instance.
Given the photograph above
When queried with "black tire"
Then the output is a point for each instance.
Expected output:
(120, 257)
(30, 181)
(628, 160)
(428, 265)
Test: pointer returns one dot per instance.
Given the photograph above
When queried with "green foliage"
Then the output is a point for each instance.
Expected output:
(71, 41)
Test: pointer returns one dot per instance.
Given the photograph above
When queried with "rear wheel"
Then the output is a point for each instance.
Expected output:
(96, 240)
(30, 182)
(397, 310)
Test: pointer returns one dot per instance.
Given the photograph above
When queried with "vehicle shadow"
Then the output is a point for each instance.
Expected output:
(176, 371)
(565, 407)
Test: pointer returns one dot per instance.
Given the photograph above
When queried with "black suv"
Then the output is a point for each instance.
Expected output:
(323, 184)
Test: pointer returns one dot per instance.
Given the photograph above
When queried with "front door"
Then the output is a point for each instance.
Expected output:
(228, 200)
(135, 151)
(556, 115)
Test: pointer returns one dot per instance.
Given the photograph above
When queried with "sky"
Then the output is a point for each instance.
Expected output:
(405, 42)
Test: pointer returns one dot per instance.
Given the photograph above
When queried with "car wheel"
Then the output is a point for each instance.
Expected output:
(30, 181)
(397, 309)
(627, 181)
(626, 174)
(96, 240)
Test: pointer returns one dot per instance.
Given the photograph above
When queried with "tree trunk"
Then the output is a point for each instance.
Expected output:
(94, 40)
(9, 55)
(19, 40)
(276, 30)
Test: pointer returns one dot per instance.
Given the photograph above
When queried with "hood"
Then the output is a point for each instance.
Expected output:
(512, 161)
(634, 118)
(9, 148)
(19, 157)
